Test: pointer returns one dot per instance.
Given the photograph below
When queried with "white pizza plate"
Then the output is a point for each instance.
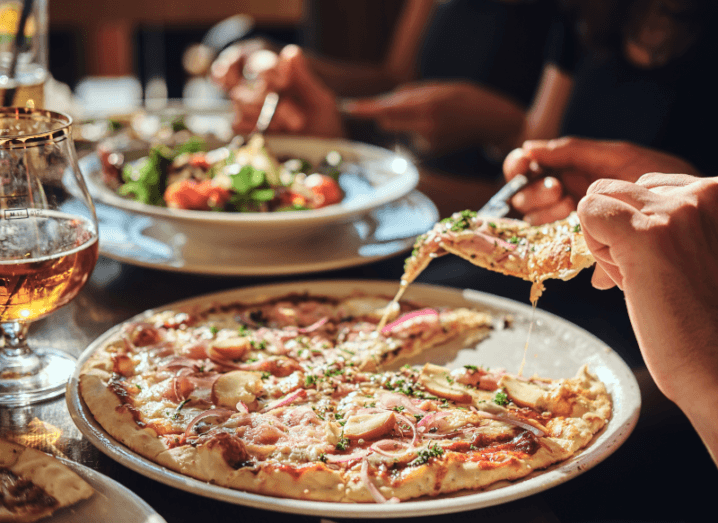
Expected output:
(155, 243)
(371, 177)
(557, 349)
(110, 502)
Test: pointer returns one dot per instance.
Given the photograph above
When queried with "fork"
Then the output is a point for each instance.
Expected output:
(266, 114)
(498, 206)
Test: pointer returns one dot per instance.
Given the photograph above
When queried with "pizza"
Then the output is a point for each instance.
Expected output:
(34, 485)
(512, 247)
(304, 396)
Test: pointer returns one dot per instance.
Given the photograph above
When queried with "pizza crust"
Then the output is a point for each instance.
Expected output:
(47, 473)
(582, 402)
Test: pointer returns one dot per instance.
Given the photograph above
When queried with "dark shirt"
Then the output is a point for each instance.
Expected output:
(498, 45)
(670, 108)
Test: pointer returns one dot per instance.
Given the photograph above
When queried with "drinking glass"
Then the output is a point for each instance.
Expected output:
(48, 246)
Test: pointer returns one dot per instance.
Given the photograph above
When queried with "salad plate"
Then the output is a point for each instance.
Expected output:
(152, 242)
(371, 177)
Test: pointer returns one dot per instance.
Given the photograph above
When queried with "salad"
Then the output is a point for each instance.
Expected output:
(238, 177)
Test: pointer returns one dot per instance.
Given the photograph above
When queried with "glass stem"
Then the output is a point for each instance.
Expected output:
(16, 357)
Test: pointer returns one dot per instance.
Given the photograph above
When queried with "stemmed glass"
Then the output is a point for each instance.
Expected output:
(48, 246)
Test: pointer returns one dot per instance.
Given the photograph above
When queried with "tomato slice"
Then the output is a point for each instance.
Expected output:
(325, 188)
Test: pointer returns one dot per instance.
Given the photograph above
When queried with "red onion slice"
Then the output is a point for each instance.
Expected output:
(430, 420)
(405, 448)
(314, 326)
(388, 329)
(286, 400)
(220, 413)
(506, 418)
(401, 417)
(373, 490)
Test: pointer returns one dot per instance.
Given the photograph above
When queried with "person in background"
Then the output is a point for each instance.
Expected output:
(457, 77)
(657, 240)
(636, 71)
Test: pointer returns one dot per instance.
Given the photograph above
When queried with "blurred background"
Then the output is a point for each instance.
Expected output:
(145, 41)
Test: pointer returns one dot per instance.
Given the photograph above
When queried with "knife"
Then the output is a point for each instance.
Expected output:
(498, 205)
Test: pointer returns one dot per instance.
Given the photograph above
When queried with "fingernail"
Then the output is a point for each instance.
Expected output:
(519, 200)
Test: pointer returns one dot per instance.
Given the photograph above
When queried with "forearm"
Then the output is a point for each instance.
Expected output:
(703, 415)
(492, 119)
(352, 79)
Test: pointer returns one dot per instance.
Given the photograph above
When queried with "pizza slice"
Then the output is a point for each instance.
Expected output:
(34, 485)
(512, 247)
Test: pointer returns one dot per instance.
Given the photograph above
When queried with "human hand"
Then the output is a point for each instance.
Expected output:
(437, 116)
(564, 168)
(657, 239)
(305, 105)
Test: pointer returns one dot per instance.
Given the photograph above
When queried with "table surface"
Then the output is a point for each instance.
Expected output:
(662, 472)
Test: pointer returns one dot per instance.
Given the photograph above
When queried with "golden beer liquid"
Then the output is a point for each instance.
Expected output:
(31, 289)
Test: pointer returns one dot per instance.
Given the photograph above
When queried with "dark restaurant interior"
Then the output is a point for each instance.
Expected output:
(598, 111)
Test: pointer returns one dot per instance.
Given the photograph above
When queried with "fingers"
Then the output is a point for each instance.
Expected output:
(654, 180)
(287, 117)
(226, 70)
(627, 192)
(297, 72)
(516, 162)
(540, 194)
(593, 156)
(606, 277)
(550, 214)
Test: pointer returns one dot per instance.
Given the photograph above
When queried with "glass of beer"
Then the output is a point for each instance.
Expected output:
(48, 246)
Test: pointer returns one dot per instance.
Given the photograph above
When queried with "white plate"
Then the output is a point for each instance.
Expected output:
(110, 502)
(150, 242)
(557, 350)
(371, 177)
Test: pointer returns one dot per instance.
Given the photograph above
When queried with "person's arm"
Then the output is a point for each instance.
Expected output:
(399, 65)
(573, 164)
(657, 240)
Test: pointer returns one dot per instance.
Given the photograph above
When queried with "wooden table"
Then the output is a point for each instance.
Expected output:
(661, 473)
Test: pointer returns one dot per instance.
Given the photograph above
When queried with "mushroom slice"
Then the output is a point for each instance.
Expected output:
(369, 426)
(523, 393)
(230, 348)
(235, 386)
(439, 381)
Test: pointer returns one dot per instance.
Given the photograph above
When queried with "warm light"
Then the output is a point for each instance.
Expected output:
(25, 313)
(398, 165)
(41, 435)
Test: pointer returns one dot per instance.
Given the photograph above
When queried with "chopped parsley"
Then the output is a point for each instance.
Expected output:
(398, 408)
(471, 367)
(309, 380)
(514, 239)
(424, 455)
(323, 457)
(266, 375)
(460, 221)
(343, 443)
(501, 398)
(576, 228)
(243, 330)
(214, 330)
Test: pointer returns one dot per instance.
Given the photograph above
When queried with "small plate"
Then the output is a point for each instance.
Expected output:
(557, 349)
(110, 502)
(150, 242)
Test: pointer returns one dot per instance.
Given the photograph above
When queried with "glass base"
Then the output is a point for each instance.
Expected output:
(55, 369)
